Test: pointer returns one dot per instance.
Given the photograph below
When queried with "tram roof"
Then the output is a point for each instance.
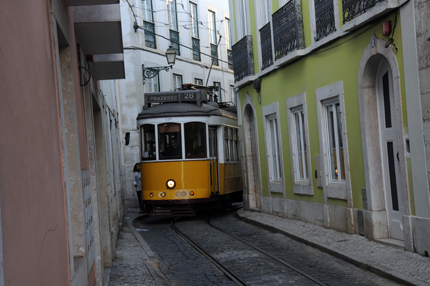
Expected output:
(175, 109)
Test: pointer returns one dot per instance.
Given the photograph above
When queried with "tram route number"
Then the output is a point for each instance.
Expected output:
(189, 96)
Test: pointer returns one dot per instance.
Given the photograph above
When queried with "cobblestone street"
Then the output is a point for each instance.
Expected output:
(151, 253)
(129, 267)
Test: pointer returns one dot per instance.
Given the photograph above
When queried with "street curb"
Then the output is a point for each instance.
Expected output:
(357, 261)
(149, 257)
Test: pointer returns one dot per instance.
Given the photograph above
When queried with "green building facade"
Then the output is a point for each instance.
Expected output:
(332, 100)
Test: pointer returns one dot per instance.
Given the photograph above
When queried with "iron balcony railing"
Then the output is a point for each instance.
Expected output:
(196, 49)
(174, 41)
(243, 58)
(149, 34)
(288, 29)
(354, 8)
(266, 46)
(324, 18)
(214, 54)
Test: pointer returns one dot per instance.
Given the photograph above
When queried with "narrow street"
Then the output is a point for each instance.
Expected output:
(178, 263)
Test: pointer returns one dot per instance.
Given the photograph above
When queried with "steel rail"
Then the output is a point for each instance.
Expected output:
(268, 254)
(218, 264)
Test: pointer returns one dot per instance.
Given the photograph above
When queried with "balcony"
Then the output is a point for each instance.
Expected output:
(214, 54)
(324, 18)
(99, 31)
(266, 46)
(149, 34)
(243, 58)
(355, 8)
(196, 49)
(288, 29)
(174, 41)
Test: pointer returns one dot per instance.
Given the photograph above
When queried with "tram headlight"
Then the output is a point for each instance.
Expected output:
(151, 195)
(191, 193)
(170, 184)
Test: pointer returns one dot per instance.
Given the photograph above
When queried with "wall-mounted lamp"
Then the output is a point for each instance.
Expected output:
(152, 72)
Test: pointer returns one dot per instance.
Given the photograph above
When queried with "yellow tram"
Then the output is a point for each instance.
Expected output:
(189, 152)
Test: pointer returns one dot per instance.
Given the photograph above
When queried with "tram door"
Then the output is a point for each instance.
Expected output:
(213, 157)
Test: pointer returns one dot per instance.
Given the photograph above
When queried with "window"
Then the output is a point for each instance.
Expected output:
(228, 41)
(152, 84)
(147, 13)
(172, 14)
(333, 141)
(148, 142)
(195, 32)
(198, 81)
(263, 13)
(173, 23)
(231, 139)
(273, 144)
(217, 91)
(148, 24)
(299, 146)
(169, 141)
(273, 148)
(336, 163)
(213, 37)
(195, 140)
(194, 20)
(233, 95)
(212, 27)
(242, 16)
(177, 81)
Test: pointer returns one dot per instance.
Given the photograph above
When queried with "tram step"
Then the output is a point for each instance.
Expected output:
(172, 211)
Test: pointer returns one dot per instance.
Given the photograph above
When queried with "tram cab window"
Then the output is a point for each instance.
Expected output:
(195, 140)
(169, 141)
(148, 142)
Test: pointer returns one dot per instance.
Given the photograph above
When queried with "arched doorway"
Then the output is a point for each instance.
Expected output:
(389, 149)
(251, 155)
(386, 198)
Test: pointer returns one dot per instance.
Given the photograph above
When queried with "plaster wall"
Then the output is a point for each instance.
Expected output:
(338, 61)
(422, 26)
(31, 168)
(131, 90)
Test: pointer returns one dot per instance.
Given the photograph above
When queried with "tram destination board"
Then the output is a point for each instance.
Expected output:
(176, 96)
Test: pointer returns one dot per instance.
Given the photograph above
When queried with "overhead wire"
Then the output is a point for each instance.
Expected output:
(136, 26)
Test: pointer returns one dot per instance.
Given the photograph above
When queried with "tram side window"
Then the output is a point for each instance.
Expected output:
(226, 148)
(169, 141)
(195, 140)
(148, 142)
(236, 144)
(231, 144)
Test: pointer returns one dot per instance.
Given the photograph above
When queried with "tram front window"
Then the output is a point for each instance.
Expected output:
(169, 141)
(195, 140)
(148, 142)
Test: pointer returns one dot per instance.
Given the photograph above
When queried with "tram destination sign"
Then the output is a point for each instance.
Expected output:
(176, 96)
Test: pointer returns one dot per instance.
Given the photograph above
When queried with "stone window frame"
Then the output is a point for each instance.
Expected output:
(300, 186)
(272, 111)
(336, 190)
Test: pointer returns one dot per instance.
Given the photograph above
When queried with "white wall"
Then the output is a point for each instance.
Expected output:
(131, 90)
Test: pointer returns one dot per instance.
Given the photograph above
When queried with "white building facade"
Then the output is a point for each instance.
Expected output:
(198, 30)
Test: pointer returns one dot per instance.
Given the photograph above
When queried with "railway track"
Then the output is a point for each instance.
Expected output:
(230, 271)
